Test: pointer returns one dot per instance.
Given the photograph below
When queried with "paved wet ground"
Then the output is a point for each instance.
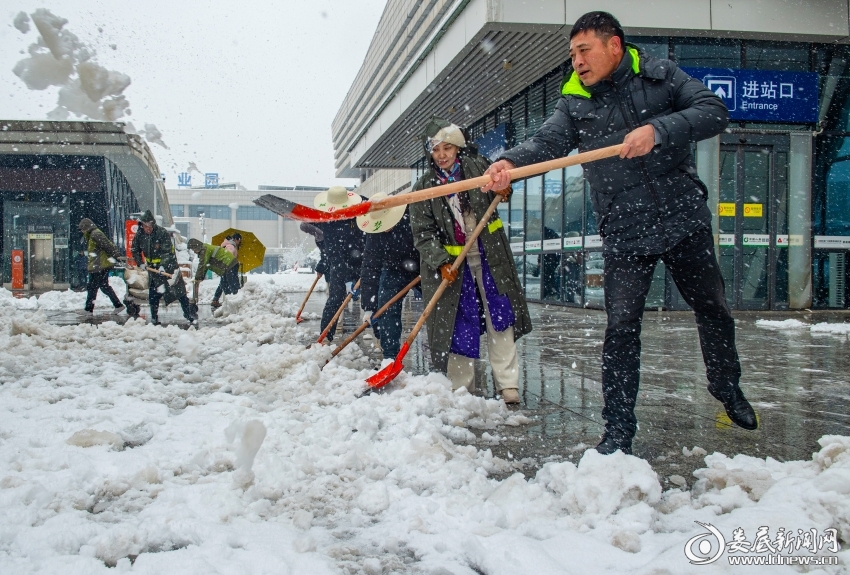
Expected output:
(798, 381)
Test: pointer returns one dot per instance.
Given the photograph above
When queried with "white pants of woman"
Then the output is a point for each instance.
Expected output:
(501, 347)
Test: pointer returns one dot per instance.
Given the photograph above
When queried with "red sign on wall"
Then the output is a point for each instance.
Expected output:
(17, 269)
(131, 227)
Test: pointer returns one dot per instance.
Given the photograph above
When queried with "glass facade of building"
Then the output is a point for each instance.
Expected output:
(42, 199)
(552, 228)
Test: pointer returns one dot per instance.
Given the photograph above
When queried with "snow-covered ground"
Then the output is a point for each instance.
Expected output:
(283, 282)
(228, 450)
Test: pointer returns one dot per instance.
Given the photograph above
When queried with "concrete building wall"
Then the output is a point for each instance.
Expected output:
(387, 181)
(469, 40)
(275, 233)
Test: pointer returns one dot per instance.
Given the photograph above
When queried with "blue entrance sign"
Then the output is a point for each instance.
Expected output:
(763, 95)
(494, 143)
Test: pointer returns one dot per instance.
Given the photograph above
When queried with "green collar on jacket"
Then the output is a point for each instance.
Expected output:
(574, 87)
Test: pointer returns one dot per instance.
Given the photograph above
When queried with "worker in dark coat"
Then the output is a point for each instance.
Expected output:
(102, 255)
(485, 295)
(153, 251)
(342, 251)
(390, 262)
(649, 205)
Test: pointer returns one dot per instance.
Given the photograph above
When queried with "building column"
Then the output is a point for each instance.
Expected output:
(279, 231)
(800, 221)
(708, 170)
(232, 217)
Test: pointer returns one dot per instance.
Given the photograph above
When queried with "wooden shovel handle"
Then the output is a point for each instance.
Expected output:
(473, 237)
(376, 315)
(516, 174)
(338, 313)
(312, 287)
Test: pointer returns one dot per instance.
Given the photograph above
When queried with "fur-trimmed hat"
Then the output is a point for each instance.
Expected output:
(438, 131)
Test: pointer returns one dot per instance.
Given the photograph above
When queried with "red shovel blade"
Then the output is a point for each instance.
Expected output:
(388, 374)
(289, 209)
(298, 318)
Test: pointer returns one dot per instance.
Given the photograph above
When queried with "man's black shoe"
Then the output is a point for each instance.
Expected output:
(737, 407)
(612, 443)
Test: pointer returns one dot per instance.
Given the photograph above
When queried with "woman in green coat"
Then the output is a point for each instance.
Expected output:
(485, 295)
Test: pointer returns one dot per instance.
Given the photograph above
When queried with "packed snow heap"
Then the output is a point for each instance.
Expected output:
(152, 450)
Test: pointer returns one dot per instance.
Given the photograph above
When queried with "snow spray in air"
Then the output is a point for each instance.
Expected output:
(86, 89)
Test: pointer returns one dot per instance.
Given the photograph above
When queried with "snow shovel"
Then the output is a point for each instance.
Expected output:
(387, 374)
(309, 293)
(158, 272)
(295, 211)
(375, 316)
(338, 313)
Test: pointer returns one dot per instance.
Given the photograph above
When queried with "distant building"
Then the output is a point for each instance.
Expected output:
(203, 213)
(53, 174)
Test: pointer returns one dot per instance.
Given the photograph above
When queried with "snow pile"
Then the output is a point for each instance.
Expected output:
(9, 301)
(781, 324)
(229, 446)
(833, 328)
(86, 89)
(818, 328)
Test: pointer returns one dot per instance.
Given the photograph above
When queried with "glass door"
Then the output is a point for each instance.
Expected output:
(752, 222)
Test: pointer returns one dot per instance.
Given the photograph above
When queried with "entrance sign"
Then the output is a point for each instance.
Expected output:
(763, 95)
(726, 239)
(752, 210)
(494, 143)
(17, 269)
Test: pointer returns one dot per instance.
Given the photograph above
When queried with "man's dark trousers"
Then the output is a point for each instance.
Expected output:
(100, 281)
(154, 296)
(388, 326)
(336, 295)
(695, 270)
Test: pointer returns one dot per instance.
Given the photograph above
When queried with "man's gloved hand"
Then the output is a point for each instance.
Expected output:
(367, 317)
(349, 287)
(143, 266)
(448, 273)
(173, 279)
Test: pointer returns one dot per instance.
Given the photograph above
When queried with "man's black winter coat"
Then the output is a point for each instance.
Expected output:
(392, 250)
(644, 205)
(342, 250)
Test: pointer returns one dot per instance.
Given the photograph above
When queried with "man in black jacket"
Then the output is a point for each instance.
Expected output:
(649, 205)
(342, 251)
(153, 251)
(390, 262)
